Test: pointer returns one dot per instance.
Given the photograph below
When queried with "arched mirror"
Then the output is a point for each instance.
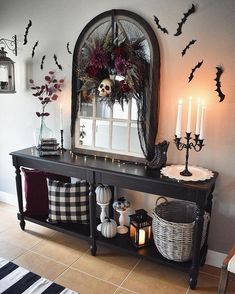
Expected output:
(115, 88)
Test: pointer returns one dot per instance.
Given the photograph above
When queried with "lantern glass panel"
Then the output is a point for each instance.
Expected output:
(140, 229)
(7, 78)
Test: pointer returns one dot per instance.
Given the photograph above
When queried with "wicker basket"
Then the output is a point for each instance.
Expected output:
(173, 225)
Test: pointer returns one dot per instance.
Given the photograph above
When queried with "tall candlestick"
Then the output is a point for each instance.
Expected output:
(188, 130)
(178, 122)
(201, 136)
(61, 116)
(198, 117)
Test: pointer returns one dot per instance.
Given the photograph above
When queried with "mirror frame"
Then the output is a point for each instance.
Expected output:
(148, 126)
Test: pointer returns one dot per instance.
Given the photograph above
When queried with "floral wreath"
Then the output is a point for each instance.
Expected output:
(113, 71)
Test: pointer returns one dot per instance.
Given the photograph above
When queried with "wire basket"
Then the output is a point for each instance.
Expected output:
(173, 226)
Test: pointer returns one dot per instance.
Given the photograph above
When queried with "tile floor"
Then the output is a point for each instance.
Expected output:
(67, 261)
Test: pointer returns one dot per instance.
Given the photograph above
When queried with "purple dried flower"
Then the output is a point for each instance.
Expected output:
(121, 65)
(99, 58)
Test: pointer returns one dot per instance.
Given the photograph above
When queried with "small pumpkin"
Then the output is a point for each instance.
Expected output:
(103, 194)
(109, 228)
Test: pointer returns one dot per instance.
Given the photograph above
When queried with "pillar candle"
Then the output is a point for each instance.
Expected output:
(61, 116)
(198, 117)
(188, 130)
(141, 237)
(201, 135)
(178, 122)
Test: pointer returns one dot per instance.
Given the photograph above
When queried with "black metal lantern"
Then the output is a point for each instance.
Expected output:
(140, 228)
(7, 72)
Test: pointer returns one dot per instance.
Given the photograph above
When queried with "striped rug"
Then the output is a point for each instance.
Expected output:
(16, 280)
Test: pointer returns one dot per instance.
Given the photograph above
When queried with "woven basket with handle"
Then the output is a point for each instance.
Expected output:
(173, 226)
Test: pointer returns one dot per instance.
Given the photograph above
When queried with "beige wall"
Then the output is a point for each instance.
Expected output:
(57, 22)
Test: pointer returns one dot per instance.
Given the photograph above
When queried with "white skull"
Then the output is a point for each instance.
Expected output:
(105, 88)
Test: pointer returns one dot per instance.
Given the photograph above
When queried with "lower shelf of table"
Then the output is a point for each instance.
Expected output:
(121, 242)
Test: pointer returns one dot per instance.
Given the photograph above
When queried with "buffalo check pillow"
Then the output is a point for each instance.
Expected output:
(68, 202)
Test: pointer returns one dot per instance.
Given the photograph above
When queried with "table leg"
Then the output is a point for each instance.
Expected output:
(92, 206)
(20, 197)
(196, 247)
(208, 209)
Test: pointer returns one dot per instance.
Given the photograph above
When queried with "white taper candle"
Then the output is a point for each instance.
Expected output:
(198, 117)
(201, 135)
(188, 130)
(61, 116)
(178, 122)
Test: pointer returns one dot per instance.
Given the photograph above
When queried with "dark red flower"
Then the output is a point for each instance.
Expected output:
(117, 51)
(121, 65)
(99, 58)
(92, 71)
(31, 81)
(47, 78)
(124, 87)
(51, 72)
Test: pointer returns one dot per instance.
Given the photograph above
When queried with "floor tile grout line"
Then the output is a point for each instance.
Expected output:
(123, 288)
(209, 274)
(138, 262)
(45, 256)
(95, 277)
(65, 270)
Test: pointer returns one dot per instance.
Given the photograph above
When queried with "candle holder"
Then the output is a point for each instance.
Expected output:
(197, 146)
(62, 140)
(121, 205)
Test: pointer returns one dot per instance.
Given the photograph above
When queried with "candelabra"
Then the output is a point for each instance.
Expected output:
(62, 140)
(197, 146)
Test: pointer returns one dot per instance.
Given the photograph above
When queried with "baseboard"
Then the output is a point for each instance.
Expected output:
(215, 258)
(8, 198)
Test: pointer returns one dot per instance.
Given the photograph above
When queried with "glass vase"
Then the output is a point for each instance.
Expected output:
(43, 132)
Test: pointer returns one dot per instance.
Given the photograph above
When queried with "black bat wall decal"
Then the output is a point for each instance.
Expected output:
(219, 72)
(26, 32)
(187, 47)
(183, 20)
(68, 48)
(42, 62)
(193, 70)
(164, 30)
(34, 47)
(56, 62)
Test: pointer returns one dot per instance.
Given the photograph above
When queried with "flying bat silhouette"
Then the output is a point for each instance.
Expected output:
(68, 48)
(34, 47)
(187, 47)
(164, 30)
(193, 70)
(56, 62)
(219, 72)
(183, 20)
(26, 32)
(42, 62)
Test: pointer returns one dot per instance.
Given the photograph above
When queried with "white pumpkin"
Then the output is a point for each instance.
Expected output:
(103, 194)
(109, 228)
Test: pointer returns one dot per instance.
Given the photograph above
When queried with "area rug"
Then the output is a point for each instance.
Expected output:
(16, 280)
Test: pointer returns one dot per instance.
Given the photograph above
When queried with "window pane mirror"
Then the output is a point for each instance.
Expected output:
(115, 88)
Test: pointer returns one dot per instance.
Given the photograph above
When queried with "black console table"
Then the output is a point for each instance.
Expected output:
(126, 175)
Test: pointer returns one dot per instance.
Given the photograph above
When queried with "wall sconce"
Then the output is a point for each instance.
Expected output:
(7, 72)
(140, 228)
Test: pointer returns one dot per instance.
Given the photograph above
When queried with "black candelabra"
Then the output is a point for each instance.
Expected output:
(62, 140)
(196, 145)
